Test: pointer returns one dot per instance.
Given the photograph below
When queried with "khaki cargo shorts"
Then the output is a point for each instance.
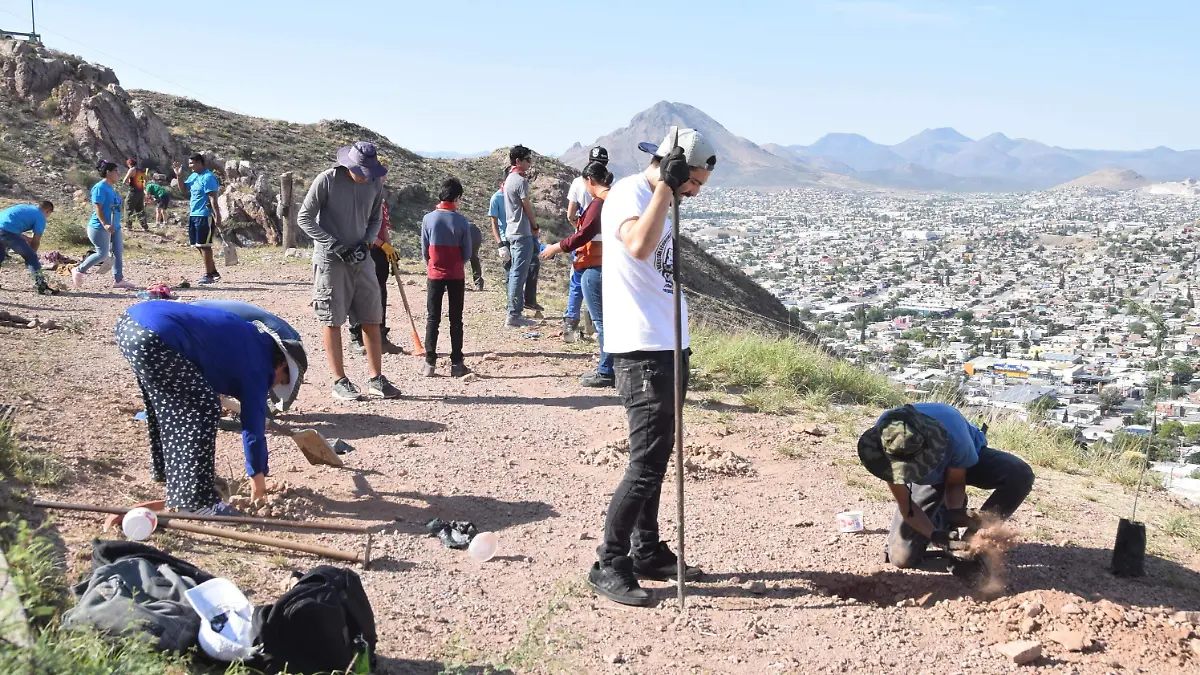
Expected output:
(342, 290)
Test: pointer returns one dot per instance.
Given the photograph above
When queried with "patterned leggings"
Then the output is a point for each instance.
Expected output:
(182, 412)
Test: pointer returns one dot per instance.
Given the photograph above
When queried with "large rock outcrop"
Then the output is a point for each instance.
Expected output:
(103, 119)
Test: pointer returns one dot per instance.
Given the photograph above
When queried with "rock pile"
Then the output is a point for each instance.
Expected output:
(284, 501)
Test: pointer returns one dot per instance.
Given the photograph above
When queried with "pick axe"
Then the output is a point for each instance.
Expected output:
(418, 350)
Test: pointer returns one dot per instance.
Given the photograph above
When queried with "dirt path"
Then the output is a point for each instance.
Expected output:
(520, 452)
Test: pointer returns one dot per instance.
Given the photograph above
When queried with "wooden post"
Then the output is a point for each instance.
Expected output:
(287, 210)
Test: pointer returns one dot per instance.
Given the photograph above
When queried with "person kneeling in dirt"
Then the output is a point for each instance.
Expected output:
(928, 454)
(184, 356)
(15, 221)
(278, 326)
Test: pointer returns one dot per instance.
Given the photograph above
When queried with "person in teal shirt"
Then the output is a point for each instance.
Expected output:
(203, 216)
(15, 221)
(104, 228)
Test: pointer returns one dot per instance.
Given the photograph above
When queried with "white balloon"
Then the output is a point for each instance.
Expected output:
(483, 546)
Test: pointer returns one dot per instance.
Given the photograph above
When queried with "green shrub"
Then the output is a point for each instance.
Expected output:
(24, 466)
(1055, 448)
(777, 372)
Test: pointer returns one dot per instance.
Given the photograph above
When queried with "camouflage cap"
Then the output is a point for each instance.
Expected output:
(905, 446)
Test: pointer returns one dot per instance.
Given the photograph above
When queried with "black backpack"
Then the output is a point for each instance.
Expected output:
(317, 626)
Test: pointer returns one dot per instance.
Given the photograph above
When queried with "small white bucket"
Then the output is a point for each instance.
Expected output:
(850, 521)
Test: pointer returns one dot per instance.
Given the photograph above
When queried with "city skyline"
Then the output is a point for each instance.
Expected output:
(1102, 80)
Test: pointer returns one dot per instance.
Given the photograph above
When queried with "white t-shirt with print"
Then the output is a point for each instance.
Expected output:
(639, 312)
(579, 194)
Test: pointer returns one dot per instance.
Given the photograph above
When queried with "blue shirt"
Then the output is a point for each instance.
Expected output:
(965, 440)
(22, 218)
(251, 312)
(496, 210)
(235, 357)
(202, 184)
(109, 201)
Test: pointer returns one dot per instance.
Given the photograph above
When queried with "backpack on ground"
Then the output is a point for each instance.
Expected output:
(318, 625)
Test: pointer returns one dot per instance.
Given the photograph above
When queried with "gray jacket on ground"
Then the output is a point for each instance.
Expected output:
(338, 210)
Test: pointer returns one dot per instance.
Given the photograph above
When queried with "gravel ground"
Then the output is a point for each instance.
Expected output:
(525, 452)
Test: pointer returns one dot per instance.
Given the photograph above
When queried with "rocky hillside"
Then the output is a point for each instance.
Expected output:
(59, 113)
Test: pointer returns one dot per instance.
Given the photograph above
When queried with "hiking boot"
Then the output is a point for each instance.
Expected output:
(428, 369)
(206, 280)
(390, 347)
(519, 322)
(597, 380)
(662, 565)
(344, 390)
(124, 285)
(77, 278)
(618, 583)
(43, 287)
(379, 387)
(458, 369)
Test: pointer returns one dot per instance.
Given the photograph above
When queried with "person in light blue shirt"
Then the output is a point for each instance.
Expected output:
(15, 221)
(928, 454)
(203, 215)
(104, 228)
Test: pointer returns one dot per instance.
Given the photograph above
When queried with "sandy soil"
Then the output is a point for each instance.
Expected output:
(525, 452)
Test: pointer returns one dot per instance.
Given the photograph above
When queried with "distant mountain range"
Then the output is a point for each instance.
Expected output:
(935, 159)
(740, 163)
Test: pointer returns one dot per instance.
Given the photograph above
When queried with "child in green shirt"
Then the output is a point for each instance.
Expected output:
(162, 199)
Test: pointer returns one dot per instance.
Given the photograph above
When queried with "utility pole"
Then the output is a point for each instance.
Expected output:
(33, 19)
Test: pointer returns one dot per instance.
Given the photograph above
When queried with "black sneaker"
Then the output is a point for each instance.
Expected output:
(617, 583)
(534, 306)
(597, 380)
(479, 286)
(391, 348)
(345, 390)
(458, 369)
(662, 565)
(379, 387)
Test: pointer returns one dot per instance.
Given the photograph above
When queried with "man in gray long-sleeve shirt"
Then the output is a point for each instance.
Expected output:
(342, 213)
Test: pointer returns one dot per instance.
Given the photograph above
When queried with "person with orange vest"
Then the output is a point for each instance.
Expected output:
(588, 250)
(135, 178)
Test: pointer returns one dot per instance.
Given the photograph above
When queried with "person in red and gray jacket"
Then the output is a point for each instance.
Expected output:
(586, 243)
(446, 246)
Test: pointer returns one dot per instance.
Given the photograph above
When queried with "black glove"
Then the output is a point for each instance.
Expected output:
(674, 170)
(941, 539)
(352, 256)
(964, 517)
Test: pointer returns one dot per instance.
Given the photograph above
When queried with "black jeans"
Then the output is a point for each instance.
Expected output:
(646, 385)
(476, 270)
(435, 289)
(382, 271)
(1007, 475)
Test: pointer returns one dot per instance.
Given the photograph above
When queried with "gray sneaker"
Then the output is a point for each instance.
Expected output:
(379, 387)
(344, 390)
(519, 322)
(428, 369)
(597, 380)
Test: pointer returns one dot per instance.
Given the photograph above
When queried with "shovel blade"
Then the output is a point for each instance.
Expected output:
(316, 449)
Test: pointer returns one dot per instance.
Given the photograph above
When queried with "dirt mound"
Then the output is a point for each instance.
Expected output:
(283, 500)
(700, 462)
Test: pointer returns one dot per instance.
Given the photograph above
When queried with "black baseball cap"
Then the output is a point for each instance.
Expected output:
(598, 154)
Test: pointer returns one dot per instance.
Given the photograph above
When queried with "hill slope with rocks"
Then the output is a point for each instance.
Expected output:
(60, 113)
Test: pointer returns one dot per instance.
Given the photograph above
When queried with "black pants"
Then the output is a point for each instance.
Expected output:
(182, 412)
(435, 289)
(646, 385)
(382, 271)
(476, 270)
(1008, 475)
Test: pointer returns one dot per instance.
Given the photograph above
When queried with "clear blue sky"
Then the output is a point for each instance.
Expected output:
(470, 76)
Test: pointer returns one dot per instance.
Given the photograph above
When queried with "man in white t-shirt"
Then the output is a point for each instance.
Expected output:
(639, 331)
(578, 199)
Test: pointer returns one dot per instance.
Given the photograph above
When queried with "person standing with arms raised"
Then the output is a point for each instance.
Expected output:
(638, 282)
(342, 214)
(203, 214)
